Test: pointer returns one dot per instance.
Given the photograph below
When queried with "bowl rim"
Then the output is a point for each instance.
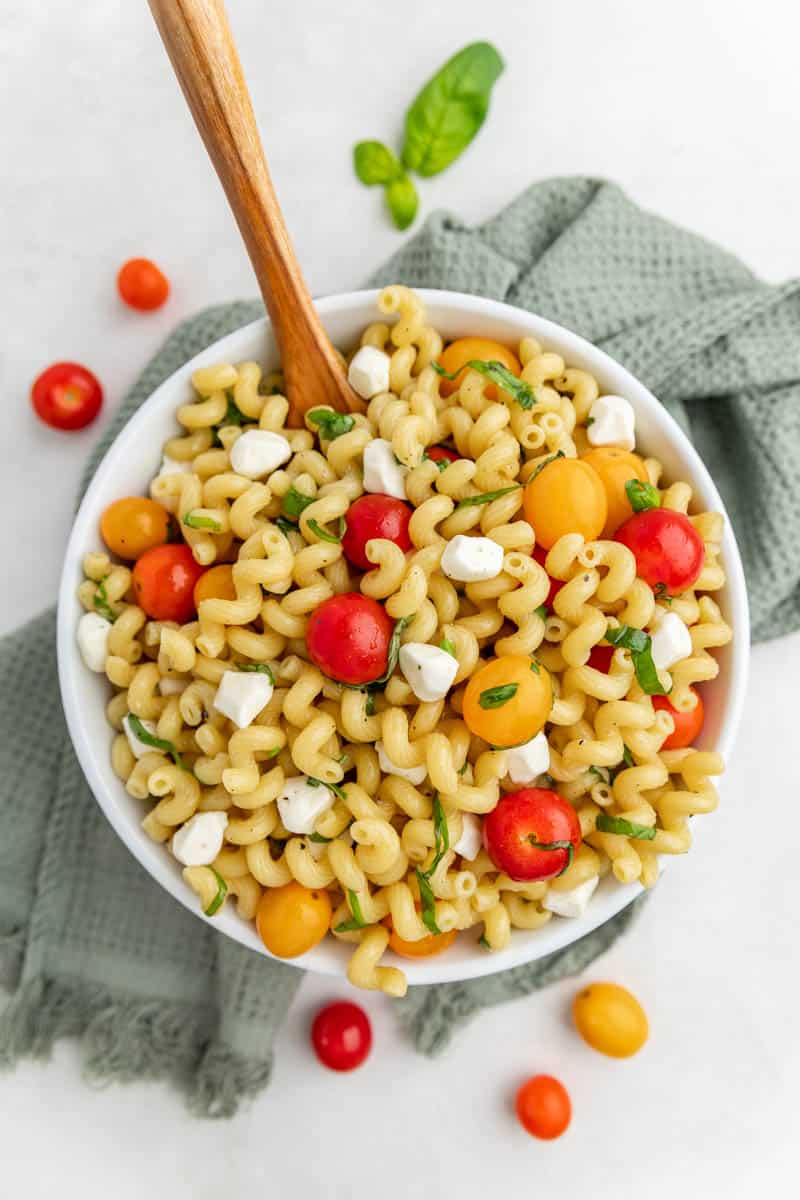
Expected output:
(361, 304)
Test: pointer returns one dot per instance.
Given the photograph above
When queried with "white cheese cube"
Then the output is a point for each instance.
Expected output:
(572, 903)
(92, 637)
(471, 840)
(670, 642)
(382, 472)
(524, 763)
(241, 695)
(472, 559)
(301, 804)
(199, 841)
(174, 466)
(429, 670)
(258, 452)
(172, 687)
(612, 423)
(138, 747)
(415, 775)
(369, 372)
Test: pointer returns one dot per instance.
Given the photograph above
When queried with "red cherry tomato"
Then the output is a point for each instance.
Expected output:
(668, 549)
(163, 582)
(600, 658)
(341, 1036)
(540, 554)
(441, 454)
(687, 724)
(543, 1107)
(142, 284)
(375, 516)
(348, 638)
(524, 822)
(66, 396)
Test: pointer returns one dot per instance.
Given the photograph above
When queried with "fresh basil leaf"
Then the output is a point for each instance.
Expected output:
(101, 602)
(537, 670)
(316, 528)
(222, 891)
(197, 522)
(542, 611)
(330, 424)
(157, 743)
(483, 942)
(375, 163)
(566, 845)
(627, 757)
(546, 463)
(446, 645)
(608, 824)
(487, 497)
(428, 903)
(517, 388)
(639, 643)
(295, 502)
(441, 835)
(496, 697)
(285, 525)
(357, 921)
(450, 109)
(258, 669)
(402, 201)
(642, 496)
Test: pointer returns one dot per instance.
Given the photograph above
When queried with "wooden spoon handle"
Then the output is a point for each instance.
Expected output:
(200, 45)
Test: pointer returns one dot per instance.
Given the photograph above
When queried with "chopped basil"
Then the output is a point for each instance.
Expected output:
(316, 528)
(441, 834)
(483, 942)
(357, 921)
(537, 670)
(446, 645)
(487, 497)
(589, 421)
(402, 201)
(517, 388)
(463, 768)
(157, 743)
(194, 521)
(548, 780)
(546, 463)
(257, 668)
(441, 464)
(608, 824)
(496, 697)
(334, 787)
(542, 611)
(642, 496)
(101, 602)
(602, 773)
(627, 757)
(369, 707)
(331, 425)
(428, 903)
(317, 837)
(274, 752)
(639, 643)
(222, 891)
(294, 502)
(394, 649)
(660, 593)
(566, 845)
(285, 525)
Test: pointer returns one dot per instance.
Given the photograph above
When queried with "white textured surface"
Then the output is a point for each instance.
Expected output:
(693, 109)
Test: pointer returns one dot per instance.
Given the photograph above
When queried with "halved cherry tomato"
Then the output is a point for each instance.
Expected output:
(600, 658)
(441, 454)
(163, 582)
(565, 496)
(341, 1036)
(610, 1019)
(291, 919)
(134, 524)
(540, 554)
(516, 832)
(142, 284)
(375, 516)
(543, 1107)
(215, 584)
(66, 396)
(507, 700)
(348, 638)
(687, 724)
(615, 468)
(455, 357)
(669, 551)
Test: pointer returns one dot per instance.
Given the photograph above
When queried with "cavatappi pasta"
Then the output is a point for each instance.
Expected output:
(490, 533)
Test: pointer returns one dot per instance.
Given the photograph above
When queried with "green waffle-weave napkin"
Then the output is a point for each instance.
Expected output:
(89, 946)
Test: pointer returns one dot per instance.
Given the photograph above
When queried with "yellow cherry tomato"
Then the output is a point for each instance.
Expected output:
(565, 496)
(455, 357)
(292, 919)
(615, 468)
(134, 524)
(215, 584)
(610, 1019)
(437, 943)
(508, 700)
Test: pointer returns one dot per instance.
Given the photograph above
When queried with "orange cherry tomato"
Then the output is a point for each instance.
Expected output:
(610, 1019)
(142, 284)
(543, 1107)
(292, 919)
(134, 524)
(215, 584)
(565, 496)
(507, 700)
(163, 582)
(687, 724)
(615, 468)
(455, 357)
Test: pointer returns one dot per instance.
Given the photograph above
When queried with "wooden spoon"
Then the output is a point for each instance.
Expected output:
(200, 45)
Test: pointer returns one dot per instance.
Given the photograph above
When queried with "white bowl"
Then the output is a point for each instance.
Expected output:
(134, 458)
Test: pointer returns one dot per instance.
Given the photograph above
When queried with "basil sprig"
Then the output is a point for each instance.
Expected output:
(376, 165)
(494, 371)
(157, 743)
(295, 502)
(196, 521)
(450, 109)
(487, 497)
(357, 920)
(257, 669)
(642, 496)
(640, 645)
(222, 891)
(324, 534)
(101, 602)
(496, 697)
(330, 424)
(608, 824)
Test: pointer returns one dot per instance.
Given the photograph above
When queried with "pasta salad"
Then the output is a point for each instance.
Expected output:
(414, 671)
